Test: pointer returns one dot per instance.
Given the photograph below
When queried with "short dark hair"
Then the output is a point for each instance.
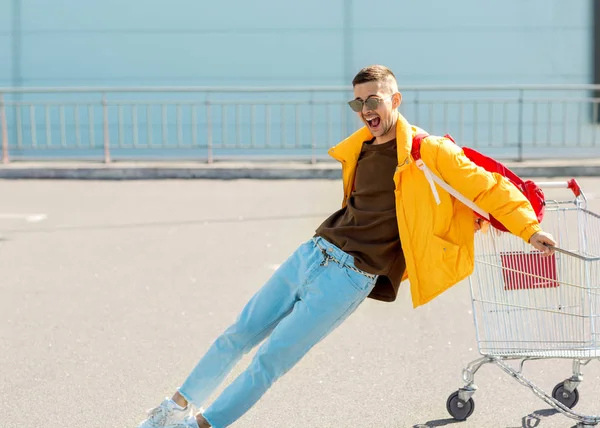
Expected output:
(373, 73)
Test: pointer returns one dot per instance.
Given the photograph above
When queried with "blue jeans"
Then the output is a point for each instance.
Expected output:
(311, 294)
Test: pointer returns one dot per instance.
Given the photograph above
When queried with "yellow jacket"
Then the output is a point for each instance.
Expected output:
(438, 240)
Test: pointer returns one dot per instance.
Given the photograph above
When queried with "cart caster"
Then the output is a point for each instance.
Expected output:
(569, 399)
(459, 409)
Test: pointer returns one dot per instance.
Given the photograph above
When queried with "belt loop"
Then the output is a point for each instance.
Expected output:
(344, 259)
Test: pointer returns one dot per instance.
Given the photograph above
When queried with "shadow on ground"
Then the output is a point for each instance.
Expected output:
(532, 420)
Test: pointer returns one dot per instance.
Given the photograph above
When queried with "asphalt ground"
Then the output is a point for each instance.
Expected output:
(111, 291)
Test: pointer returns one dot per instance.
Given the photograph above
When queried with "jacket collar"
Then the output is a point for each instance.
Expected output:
(349, 149)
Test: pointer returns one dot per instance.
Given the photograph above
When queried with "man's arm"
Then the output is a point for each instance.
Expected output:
(491, 191)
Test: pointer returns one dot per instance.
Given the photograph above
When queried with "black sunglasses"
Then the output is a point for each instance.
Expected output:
(372, 103)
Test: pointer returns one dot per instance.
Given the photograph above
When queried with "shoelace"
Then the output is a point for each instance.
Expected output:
(158, 415)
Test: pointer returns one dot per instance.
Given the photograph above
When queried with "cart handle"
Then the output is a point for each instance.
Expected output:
(572, 254)
(571, 184)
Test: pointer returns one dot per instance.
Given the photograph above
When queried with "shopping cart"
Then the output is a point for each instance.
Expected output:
(530, 307)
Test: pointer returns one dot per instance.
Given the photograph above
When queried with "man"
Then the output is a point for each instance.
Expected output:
(389, 228)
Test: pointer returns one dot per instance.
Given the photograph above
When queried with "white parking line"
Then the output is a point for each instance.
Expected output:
(30, 218)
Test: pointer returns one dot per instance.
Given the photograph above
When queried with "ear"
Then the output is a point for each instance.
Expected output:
(396, 100)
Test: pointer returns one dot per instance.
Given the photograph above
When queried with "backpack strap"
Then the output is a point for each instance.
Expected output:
(416, 154)
(433, 179)
(416, 145)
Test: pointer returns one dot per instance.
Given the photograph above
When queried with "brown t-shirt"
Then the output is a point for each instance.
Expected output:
(367, 228)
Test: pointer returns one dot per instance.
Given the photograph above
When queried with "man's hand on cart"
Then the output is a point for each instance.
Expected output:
(544, 242)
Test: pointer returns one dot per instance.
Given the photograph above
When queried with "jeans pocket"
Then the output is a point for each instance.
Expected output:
(357, 280)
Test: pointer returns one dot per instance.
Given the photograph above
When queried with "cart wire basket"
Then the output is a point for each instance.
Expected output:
(527, 306)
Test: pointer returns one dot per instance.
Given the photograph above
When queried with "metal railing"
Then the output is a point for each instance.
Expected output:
(218, 123)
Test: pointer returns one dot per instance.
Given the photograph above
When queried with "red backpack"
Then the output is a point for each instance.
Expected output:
(532, 192)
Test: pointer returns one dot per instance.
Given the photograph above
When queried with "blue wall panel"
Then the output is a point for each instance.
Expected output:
(282, 43)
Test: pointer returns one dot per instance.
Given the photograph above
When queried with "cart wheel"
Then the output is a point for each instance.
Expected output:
(569, 399)
(458, 409)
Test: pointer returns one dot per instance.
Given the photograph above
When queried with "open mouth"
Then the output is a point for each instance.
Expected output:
(373, 121)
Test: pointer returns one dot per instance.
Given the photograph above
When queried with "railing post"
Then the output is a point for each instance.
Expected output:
(5, 159)
(520, 127)
(417, 108)
(313, 138)
(209, 141)
(105, 126)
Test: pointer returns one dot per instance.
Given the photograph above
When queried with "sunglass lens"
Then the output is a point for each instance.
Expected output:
(355, 105)
(372, 103)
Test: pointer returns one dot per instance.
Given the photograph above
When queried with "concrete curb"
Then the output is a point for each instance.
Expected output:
(151, 173)
(246, 171)
(557, 171)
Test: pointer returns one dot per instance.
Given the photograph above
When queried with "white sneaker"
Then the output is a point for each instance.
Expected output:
(170, 415)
